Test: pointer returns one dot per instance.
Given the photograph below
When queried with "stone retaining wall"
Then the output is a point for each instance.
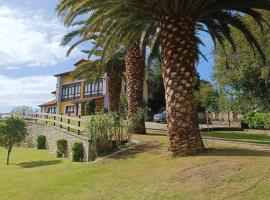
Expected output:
(52, 135)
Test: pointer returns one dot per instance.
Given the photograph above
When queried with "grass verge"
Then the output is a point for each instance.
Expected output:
(146, 172)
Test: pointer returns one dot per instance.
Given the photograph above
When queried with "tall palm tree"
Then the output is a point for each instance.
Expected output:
(134, 59)
(113, 65)
(179, 22)
(113, 68)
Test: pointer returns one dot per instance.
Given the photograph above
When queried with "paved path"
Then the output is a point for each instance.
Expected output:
(153, 126)
(158, 128)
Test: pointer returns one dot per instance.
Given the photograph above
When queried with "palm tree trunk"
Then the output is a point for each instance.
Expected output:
(135, 66)
(114, 84)
(178, 68)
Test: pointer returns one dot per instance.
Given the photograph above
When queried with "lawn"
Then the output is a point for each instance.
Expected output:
(147, 172)
(241, 136)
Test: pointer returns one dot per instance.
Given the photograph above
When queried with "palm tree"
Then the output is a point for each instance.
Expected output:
(112, 66)
(179, 23)
(134, 59)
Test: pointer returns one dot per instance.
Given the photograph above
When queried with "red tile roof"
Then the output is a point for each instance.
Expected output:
(49, 103)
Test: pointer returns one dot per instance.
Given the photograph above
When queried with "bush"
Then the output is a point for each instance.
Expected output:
(41, 142)
(257, 120)
(111, 132)
(77, 151)
(61, 148)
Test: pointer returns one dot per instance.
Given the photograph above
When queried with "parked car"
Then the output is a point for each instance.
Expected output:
(160, 117)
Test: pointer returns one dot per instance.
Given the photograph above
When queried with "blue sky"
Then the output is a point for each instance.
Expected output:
(30, 53)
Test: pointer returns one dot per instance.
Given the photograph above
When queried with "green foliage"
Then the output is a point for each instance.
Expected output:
(62, 147)
(257, 120)
(77, 151)
(156, 100)
(41, 142)
(123, 22)
(242, 72)
(207, 98)
(90, 107)
(109, 130)
(12, 131)
(135, 119)
(123, 105)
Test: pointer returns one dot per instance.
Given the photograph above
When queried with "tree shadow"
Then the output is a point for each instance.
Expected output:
(39, 163)
(235, 152)
(153, 148)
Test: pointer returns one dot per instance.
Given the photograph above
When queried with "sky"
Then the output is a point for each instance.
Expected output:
(30, 52)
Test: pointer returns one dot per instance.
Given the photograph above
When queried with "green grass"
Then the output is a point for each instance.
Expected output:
(146, 173)
(240, 136)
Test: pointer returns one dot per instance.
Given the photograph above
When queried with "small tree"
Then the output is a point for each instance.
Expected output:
(12, 131)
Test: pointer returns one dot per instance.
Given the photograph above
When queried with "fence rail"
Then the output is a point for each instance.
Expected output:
(74, 124)
(63, 121)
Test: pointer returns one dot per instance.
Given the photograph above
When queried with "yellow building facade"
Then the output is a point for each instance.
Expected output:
(71, 95)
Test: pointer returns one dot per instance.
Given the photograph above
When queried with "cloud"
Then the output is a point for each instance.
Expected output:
(29, 38)
(30, 91)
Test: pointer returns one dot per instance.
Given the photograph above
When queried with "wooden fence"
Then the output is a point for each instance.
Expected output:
(73, 124)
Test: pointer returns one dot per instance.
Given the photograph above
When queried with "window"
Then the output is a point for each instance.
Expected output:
(71, 91)
(70, 109)
(77, 90)
(51, 110)
(93, 89)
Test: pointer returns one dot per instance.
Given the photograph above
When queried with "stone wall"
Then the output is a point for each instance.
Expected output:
(52, 135)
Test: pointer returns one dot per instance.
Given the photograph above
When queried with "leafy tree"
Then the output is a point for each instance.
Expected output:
(175, 25)
(156, 100)
(12, 131)
(207, 98)
(247, 76)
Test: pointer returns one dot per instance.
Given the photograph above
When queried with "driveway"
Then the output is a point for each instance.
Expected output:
(162, 127)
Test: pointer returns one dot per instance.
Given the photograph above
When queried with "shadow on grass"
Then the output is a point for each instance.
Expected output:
(235, 152)
(157, 134)
(151, 147)
(39, 163)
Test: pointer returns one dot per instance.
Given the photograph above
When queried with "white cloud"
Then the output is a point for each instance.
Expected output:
(31, 91)
(29, 38)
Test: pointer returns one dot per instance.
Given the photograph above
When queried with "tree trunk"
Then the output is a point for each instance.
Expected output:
(114, 85)
(9, 151)
(178, 67)
(135, 66)
(229, 119)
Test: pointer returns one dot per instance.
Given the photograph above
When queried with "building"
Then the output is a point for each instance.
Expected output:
(71, 95)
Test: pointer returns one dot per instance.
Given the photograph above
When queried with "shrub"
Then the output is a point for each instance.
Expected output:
(110, 131)
(61, 148)
(123, 105)
(77, 151)
(41, 142)
(257, 120)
